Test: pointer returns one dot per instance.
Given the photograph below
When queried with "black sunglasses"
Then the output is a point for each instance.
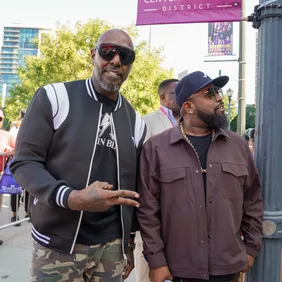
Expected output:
(108, 51)
(211, 93)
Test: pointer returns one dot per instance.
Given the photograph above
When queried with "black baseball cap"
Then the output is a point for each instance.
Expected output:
(194, 82)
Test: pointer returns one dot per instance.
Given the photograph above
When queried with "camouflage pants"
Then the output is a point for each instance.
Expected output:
(99, 263)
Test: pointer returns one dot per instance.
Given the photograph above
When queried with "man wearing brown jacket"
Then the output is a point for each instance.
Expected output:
(199, 190)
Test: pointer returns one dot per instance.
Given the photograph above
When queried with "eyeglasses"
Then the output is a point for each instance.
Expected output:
(211, 93)
(108, 51)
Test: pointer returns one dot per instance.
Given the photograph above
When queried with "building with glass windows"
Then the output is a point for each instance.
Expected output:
(18, 42)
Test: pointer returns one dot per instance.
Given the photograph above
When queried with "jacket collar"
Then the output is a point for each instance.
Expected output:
(92, 94)
(176, 135)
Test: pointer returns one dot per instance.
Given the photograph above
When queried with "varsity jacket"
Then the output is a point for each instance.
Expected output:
(55, 151)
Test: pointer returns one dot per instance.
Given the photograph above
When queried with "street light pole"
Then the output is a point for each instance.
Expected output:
(229, 94)
(229, 111)
(4, 91)
(268, 151)
(241, 118)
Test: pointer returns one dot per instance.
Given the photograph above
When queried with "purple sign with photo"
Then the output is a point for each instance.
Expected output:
(220, 41)
(152, 12)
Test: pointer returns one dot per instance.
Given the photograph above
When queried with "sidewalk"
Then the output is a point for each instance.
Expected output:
(15, 253)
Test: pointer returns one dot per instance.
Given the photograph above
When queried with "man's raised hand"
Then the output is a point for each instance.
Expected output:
(99, 197)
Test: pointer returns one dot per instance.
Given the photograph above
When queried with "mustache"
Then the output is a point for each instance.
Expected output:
(116, 70)
(219, 106)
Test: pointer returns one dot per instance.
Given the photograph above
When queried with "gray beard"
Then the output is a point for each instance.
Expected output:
(109, 87)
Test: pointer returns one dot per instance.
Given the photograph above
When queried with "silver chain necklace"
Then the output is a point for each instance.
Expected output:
(190, 143)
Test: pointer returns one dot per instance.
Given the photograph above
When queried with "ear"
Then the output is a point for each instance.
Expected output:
(163, 98)
(188, 108)
(93, 53)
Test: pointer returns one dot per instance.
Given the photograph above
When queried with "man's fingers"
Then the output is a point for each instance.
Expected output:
(123, 202)
(105, 185)
(127, 194)
(123, 194)
(122, 197)
(127, 270)
(126, 202)
(108, 187)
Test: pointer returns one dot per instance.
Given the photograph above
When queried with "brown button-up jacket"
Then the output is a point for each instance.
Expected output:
(197, 236)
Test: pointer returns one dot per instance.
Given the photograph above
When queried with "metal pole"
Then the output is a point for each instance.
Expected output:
(268, 145)
(14, 223)
(229, 111)
(150, 38)
(241, 121)
(4, 91)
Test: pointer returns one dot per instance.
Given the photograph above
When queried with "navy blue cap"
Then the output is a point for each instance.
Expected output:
(194, 82)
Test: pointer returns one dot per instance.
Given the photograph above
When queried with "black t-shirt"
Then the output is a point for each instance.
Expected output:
(202, 145)
(102, 227)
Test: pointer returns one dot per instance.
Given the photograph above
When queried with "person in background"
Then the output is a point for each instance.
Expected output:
(15, 199)
(7, 144)
(246, 137)
(164, 118)
(15, 125)
(168, 114)
(252, 141)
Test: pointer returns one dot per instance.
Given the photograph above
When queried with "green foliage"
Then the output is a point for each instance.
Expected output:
(66, 57)
(250, 119)
(232, 107)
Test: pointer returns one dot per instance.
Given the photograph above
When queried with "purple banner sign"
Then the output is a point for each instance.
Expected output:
(152, 12)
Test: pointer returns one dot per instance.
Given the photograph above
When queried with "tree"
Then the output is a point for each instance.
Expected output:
(250, 118)
(66, 57)
(232, 107)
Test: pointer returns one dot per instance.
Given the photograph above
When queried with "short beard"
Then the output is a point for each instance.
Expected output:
(109, 87)
(214, 121)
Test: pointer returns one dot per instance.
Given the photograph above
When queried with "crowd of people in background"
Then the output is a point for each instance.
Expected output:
(7, 146)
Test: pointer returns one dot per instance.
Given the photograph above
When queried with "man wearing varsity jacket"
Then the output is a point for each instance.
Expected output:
(77, 154)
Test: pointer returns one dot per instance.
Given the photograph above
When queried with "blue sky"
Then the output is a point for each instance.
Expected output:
(122, 12)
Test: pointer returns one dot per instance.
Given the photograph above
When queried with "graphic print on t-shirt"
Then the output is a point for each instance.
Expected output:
(106, 135)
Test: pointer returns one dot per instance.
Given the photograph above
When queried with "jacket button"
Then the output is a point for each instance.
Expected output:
(197, 171)
(201, 206)
(210, 165)
(210, 236)
(210, 202)
(203, 241)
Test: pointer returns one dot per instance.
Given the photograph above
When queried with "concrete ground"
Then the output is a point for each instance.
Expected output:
(15, 253)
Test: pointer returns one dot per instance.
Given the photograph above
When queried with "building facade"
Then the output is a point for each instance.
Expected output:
(18, 42)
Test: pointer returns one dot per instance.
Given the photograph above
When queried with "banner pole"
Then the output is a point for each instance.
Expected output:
(241, 120)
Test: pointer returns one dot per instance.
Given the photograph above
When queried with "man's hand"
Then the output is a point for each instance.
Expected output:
(251, 261)
(130, 260)
(98, 197)
(160, 274)
(6, 154)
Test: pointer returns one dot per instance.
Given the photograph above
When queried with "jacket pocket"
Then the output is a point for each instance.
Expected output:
(233, 181)
(174, 185)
